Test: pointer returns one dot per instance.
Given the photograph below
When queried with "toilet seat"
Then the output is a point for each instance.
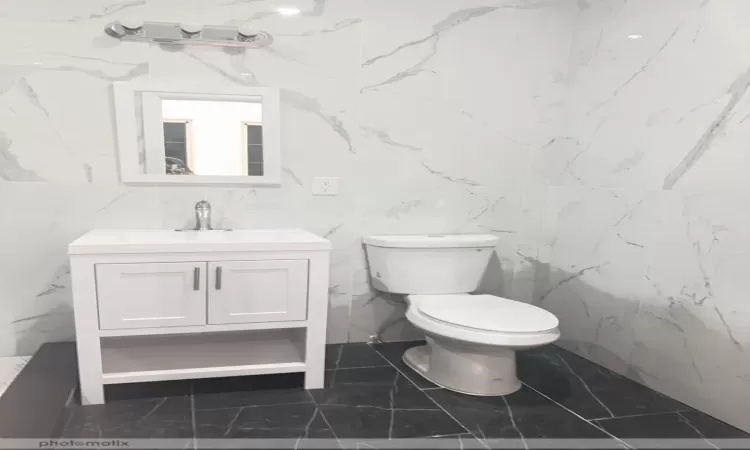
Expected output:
(484, 319)
(487, 313)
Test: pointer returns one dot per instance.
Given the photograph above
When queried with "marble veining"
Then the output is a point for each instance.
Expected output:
(369, 402)
(736, 92)
(452, 179)
(583, 382)
(453, 20)
(10, 169)
(107, 10)
(604, 142)
(382, 136)
(641, 244)
(305, 103)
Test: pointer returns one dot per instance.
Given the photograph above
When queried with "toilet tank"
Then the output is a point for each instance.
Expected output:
(428, 264)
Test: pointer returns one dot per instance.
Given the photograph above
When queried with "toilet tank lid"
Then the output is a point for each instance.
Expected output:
(432, 241)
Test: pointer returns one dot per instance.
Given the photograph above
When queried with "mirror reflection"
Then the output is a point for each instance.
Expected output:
(204, 137)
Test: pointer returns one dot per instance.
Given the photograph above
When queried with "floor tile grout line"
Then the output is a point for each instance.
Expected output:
(428, 395)
(360, 367)
(576, 414)
(253, 406)
(71, 412)
(699, 432)
(312, 397)
(325, 419)
(447, 435)
(322, 414)
(456, 420)
(346, 405)
(72, 394)
(192, 416)
(68, 420)
(339, 354)
(627, 416)
(449, 414)
(394, 366)
(585, 385)
(559, 351)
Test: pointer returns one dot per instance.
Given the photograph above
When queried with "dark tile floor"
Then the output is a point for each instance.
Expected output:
(370, 395)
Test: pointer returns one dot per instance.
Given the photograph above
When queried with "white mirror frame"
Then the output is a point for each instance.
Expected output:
(128, 134)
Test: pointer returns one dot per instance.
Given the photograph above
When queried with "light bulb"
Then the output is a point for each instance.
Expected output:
(131, 24)
(191, 27)
(247, 30)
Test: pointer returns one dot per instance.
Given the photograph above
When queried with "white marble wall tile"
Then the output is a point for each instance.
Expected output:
(323, 37)
(340, 297)
(647, 283)
(68, 37)
(642, 238)
(57, 135)
(653, 87)
(702, 360)
(43, 219)
(447, 156)
(439, 53)
(55, 97)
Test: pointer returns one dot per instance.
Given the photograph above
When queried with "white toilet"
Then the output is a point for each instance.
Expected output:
(471, 339)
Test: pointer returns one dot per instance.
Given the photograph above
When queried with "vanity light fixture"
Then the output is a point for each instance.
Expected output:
(189, 33)
(635, 36)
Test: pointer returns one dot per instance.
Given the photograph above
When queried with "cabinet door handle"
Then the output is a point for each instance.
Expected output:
(196, 278)
(218, 278)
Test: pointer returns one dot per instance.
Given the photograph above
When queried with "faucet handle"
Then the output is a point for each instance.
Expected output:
(203, 204)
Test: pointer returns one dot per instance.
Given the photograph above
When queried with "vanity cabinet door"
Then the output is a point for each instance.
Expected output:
(148, 295)
(257, 291)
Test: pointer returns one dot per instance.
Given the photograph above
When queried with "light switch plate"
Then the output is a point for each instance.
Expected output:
(325, 186)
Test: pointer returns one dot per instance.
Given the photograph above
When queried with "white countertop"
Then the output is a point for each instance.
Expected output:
(162, 241)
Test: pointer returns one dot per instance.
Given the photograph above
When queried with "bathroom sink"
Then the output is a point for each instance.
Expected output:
(208, 231)
(139, 241)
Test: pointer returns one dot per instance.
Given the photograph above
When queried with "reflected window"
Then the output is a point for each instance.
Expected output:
(216, 138)
(253, 146)
(177, 147)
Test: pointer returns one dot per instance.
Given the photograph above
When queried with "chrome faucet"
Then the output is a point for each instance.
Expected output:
(203, 216)
(203, 219)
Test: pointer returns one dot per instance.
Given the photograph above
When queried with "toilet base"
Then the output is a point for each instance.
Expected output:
(467, 368)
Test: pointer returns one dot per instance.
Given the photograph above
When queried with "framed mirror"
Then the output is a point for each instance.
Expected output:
(197, 134)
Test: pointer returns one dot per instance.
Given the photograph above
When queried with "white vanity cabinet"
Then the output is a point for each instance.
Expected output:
(257, 291)
(160, 305)
(147, 295)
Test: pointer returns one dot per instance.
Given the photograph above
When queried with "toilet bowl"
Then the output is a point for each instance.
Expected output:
(471, 339)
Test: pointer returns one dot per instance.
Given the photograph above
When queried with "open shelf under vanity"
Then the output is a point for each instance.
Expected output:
(130, 359)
